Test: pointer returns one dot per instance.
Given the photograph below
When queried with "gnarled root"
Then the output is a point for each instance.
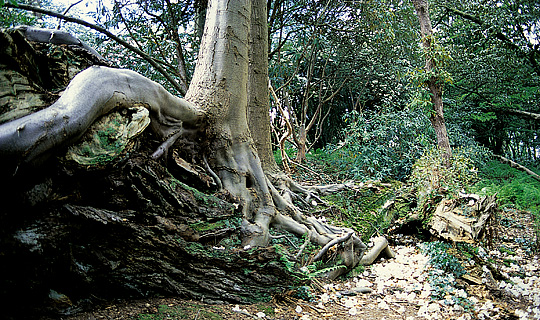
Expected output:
(326, 235)
(92, 93)
(380, 246)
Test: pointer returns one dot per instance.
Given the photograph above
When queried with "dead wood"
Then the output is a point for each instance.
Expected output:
(517, 166)
(380, 246)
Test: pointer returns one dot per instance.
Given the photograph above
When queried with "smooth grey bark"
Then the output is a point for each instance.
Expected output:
(258, 93)
(91, 94)
(216, 106)
(220, 88)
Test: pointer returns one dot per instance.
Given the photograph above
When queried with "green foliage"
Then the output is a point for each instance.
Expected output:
(289, 149)
(492, 75)
(362, 210)
(514, 188)
(381, 146)
(13, 17)
(3, 2)
(432, 176)
(445, 268)
(440, 258)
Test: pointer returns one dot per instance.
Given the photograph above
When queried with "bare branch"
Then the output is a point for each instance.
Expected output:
(136, 50)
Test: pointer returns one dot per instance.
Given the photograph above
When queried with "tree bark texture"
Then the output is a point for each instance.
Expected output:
(434, 84)
(130, 232)
(131, 227)
(258, 93)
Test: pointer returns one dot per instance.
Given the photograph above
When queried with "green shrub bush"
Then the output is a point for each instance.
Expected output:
(381, 146)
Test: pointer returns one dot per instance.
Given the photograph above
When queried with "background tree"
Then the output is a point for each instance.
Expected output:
(432, 76)
(494, 71)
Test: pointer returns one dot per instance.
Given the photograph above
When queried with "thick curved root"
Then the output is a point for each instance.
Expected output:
(380, 246)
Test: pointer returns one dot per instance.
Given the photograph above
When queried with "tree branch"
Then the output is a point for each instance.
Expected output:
(104, 31)
(517, 166)
(531, 56)
(526, 114)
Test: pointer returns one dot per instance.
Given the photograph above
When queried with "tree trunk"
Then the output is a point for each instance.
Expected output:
(158, 235)
(219, 88)
(302, 141)
(258, 95)
(434, 84)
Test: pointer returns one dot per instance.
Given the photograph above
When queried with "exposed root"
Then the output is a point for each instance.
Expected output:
(164, 147)
(318, 232)
(380, 245)
(330, 244)
(92, 93)
(303, 247)
(211, 172)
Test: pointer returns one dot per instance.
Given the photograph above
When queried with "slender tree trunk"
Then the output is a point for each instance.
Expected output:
(434, 84)
(302, 141)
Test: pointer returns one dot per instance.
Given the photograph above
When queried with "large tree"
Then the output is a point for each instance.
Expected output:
(229, 83)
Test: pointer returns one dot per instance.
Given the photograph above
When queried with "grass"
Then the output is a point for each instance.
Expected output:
(513, 187)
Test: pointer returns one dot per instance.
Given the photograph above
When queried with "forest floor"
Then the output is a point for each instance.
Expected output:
(407, 287)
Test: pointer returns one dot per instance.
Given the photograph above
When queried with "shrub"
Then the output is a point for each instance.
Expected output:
(381, 146)
(432, 177)
(513, 187)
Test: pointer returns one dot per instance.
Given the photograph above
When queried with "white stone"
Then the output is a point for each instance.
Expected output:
(434, 307)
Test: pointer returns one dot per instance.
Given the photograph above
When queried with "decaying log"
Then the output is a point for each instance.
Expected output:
(518, 166)
(463, 219)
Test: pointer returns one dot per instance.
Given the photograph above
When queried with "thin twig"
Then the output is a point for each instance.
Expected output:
(65, 12)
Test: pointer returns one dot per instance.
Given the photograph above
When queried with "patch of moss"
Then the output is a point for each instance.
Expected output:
(108, 137)
(268, 310)
(187, 311)
(202, 226)
(201, 197)
(365, 210)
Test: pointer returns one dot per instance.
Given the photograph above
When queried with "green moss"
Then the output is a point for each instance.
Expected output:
(201, 197)
(202, 226)
(363, 210)
(268, 310)
(108, 138)
(186, 311)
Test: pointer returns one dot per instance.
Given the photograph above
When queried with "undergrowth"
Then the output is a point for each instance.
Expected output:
(445, 269)
(361, 210)
(515, 189)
